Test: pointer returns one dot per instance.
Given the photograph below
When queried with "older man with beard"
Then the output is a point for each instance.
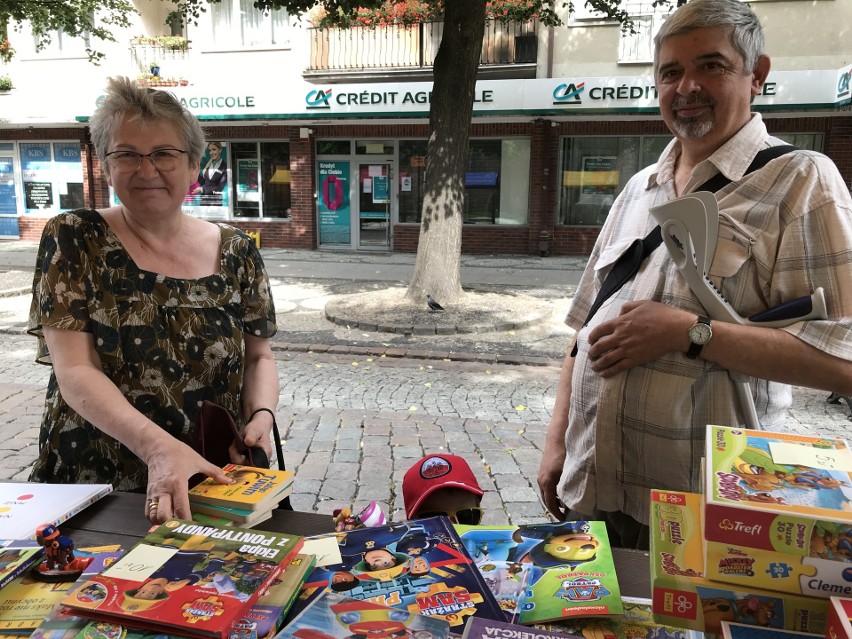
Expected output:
(651, 371)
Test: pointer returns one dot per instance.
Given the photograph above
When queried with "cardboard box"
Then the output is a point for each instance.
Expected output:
(683, 597)
(754, 568)
(796, 501)
(839, 619)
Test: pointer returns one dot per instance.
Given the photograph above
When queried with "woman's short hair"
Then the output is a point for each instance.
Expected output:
(746, 32)
(124, 98)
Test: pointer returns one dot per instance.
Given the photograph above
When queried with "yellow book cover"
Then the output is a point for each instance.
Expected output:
(253, 488)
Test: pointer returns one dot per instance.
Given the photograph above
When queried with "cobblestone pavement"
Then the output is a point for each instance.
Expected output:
(357, 408)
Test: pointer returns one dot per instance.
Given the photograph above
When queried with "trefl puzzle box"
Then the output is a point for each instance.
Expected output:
(683, 597)
(780, 492)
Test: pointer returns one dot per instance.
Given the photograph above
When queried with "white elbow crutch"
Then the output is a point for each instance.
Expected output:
(690, 229)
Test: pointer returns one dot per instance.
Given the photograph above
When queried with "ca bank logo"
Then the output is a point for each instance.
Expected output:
(318, 99)
(843, 84)
(567, 93)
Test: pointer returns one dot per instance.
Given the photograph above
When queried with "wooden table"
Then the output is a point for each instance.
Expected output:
(118, 518)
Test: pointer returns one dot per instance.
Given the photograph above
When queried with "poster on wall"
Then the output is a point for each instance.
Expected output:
(67, 175)
(380, 189)
(208, 196)
(334, 204)
(599, 176)
(36, 162)
(247, 183)
(8, 201)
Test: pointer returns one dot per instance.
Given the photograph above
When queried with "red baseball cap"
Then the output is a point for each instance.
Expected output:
(434, 472)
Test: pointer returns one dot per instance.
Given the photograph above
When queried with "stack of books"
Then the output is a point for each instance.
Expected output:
(252, 497)
(186, 578)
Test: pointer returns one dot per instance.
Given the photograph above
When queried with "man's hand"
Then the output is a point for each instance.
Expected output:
(643, 331)
(549, 472)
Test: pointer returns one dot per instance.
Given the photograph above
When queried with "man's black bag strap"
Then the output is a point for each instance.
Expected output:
(631, 260)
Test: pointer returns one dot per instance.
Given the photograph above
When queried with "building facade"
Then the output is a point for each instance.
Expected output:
(318, 138)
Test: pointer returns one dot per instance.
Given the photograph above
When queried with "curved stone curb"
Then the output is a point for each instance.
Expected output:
(415, 353)
(332, 315)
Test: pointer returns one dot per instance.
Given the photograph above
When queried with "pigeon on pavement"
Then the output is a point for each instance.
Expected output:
(433, 305)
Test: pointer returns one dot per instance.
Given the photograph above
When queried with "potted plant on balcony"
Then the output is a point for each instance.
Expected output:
(6, 50)
(5, 84)
(155, 68)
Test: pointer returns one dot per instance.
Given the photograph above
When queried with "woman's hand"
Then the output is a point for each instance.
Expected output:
(257, 433)
(170, 465)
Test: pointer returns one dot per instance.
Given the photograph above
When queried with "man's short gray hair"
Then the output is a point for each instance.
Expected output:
(746, 32)
(124, 98)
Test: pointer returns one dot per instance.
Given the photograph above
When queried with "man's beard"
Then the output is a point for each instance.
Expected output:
(692, 128)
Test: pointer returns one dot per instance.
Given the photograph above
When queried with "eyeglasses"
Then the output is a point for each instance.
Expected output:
(129, 161)
(465, 516)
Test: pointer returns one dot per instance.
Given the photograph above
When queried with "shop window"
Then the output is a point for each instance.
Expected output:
(237, 23)
(52, 176)
(261, 172)
(8, 197)
(496, 182)
(374, 147)
(596, 169)
(334, 147)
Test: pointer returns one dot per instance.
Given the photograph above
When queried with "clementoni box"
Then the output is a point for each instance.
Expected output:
(779, 492)
(684, 597)
(839, 619)
(753, 567)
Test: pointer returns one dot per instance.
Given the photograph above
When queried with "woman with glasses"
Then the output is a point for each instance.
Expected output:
(144, 312)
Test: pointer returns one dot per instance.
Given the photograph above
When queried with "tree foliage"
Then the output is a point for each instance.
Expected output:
(98, 18)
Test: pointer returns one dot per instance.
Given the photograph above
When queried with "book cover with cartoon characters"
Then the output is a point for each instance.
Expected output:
(16, 556)
(186, 578)
(253, 489)
(335, 616)
(780, 492)
(546, 572)
(420, 566)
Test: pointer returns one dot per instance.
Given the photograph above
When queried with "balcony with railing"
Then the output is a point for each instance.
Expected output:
(394, 51)
(168, 55)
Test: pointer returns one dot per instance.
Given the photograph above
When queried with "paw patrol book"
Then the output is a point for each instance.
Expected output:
(777, 491)
(186, 578)
(546, 572)
(418, 566)
(333, 616)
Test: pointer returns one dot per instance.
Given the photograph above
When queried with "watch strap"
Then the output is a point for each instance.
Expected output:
(695, 349)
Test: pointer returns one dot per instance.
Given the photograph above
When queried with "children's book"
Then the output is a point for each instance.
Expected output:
(253, 488)
(477, 628)
(16, 556)
(267, 615)
(779, 491)
(262, 621)
(26, 506)
(242, 516)
(732, 630)
(637, 622)
(418, 566)
(335, 616)
(186, 578)
(25, 601)
(545, 572)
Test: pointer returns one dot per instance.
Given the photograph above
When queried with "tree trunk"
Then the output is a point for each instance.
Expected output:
(437, 269)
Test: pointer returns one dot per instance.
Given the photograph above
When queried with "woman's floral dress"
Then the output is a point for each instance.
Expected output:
(166, 343)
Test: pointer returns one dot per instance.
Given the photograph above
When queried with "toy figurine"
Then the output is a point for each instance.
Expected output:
(59, 563)
(370, 517)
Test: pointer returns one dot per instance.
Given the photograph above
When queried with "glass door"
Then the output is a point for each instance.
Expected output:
(374, 205)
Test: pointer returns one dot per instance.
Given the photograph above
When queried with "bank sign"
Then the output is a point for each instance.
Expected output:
(785, 90)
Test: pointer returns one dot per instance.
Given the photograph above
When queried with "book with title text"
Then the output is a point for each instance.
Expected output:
(418, 566)
(186, 578)
(547, 572)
